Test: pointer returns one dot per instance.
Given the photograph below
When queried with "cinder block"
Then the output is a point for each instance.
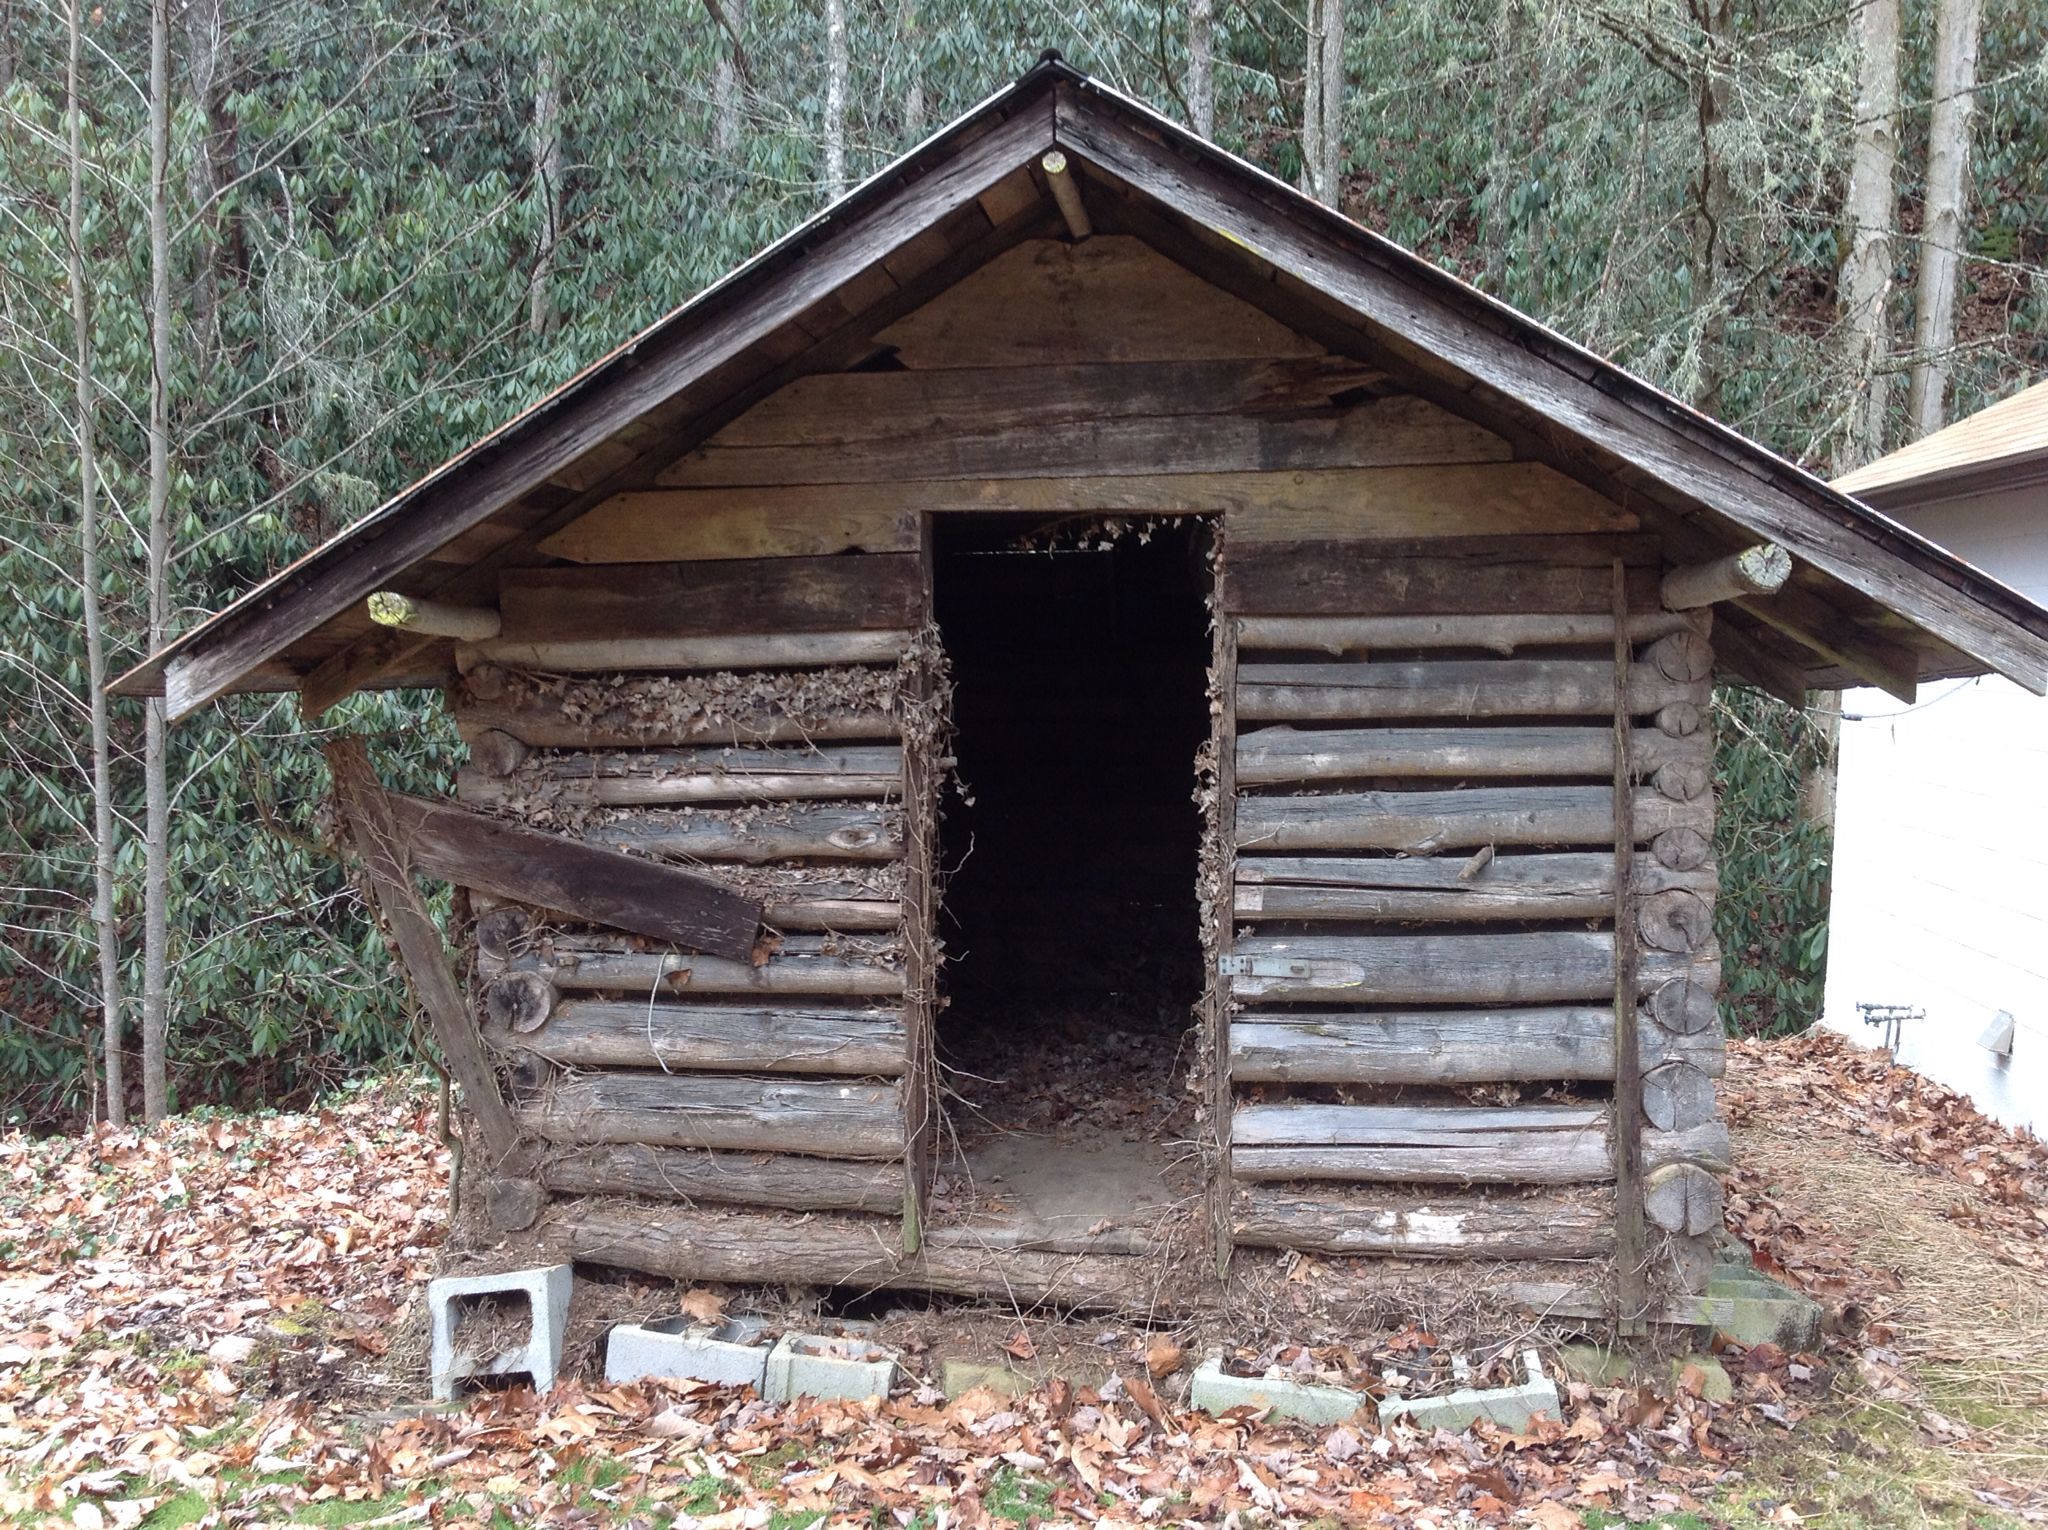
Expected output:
(1215, 1391)
(676, 1347)
(815, 1365)
(545, 1290)
(1716, 1385)
(958, 1377)
(1510, 1407)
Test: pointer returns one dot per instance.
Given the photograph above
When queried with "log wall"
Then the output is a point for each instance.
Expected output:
(1424, 1027)
(743, 718)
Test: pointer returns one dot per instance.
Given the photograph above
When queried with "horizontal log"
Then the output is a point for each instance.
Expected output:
(1270, 756)
(1537, 967)
(1682, 1198)
(432, 618)
(1755, 570)
(542, 721)
(1448, 1144)
(1424, 888)
(849, 914)
(715, 599)
(631, 1033)
(1674, 920)
(787, 1183)
(1450, 1226)
(1418, 823)
(1359, 692)
(658, 777)
(637, 527)
(1677, 1095)
(840, 1119)
(1438, 576)
(470, 850)
(1116, 421)
(745, 1248)
(1497, 632)
(1448, 1046)
(753, 836)
(674, 973)
(790, 650)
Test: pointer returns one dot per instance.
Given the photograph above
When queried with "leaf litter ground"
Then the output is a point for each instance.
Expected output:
(220, 1324)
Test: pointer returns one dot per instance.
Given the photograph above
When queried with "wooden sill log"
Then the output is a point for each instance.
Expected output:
(746, 1249)
(839, 1119)
(1279, 755)
(1366, 888)
(598, 1033)
(1449, 1046)
(652, 777)
(582, 966)
(785, 650)
(787, 1182)
(1419, 822)
(1446, 1226)
(1534, 967)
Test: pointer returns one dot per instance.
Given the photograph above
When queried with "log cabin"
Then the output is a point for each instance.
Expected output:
(1082, 724)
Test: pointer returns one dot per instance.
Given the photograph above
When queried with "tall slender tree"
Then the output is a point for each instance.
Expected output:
(104, 931)
(1956, 30)
(156, 873)
(910, 37)
(1322, 105)
(547, 190)
(1201, 84)
(1872, 208)
(837, 66)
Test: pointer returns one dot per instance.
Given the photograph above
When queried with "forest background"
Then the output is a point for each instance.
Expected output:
(261, 264)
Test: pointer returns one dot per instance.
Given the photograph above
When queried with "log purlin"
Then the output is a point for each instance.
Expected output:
(1438, 901)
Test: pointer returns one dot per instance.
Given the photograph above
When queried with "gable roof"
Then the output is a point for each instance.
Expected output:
(2001, 445)
(813, 300)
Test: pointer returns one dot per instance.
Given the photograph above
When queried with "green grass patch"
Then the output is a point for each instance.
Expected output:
(178, 1511)
(769, 1469)
(340, 1511)
(1020, 1499)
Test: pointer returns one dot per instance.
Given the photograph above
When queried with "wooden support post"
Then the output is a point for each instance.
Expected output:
(432, 618)
(422, 955)
(1067, 193)
(1758, 570)
(1223, 733)
(1630, 1261)
(921, 775)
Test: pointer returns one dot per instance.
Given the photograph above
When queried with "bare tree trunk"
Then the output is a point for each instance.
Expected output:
(1202, 66)
(1942, 229)
(1507, 72)
(547, 179)
(729, 78)
(836, 66)
(1712, 201)
(156, 793)
(89, 580)
(913, 57)
(1322, 101)
(1867, 270)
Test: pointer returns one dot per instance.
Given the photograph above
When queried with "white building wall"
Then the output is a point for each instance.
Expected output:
(1941, 848)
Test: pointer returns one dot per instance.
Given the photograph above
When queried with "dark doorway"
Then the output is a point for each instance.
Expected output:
(1070, 910)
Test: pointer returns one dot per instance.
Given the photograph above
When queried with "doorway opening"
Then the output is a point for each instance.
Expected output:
(1072, 854)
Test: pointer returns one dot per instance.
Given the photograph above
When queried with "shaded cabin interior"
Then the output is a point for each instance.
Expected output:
(1059, 758)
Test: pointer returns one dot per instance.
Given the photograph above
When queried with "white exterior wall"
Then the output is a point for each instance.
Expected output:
(1941, 847)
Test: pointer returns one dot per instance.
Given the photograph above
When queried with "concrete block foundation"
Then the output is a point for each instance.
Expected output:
(544, 1293)
(814, 1365)
(727, 1355)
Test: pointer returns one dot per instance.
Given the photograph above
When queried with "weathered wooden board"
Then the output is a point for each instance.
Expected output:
(661, 777)
(1535, 967)
(638, 1033)
(825, 831)
(1373, 888)
(1447, 1225)
(839, 1119)
(718, 598)
(786, 1182)
(1114, 424)
(542, 721)
(1500, 633)
(1355, 692)
(1427, 821)
(1435, 577)
(1275, 755)
(1448, 1046)
(757, 650)
(650, 526)
(1110, 298)
(604, 886)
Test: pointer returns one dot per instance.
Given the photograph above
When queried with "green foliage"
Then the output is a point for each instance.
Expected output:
(357, 226)
(1772, 915)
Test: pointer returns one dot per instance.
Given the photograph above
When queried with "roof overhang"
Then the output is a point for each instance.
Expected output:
(1717, 488)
